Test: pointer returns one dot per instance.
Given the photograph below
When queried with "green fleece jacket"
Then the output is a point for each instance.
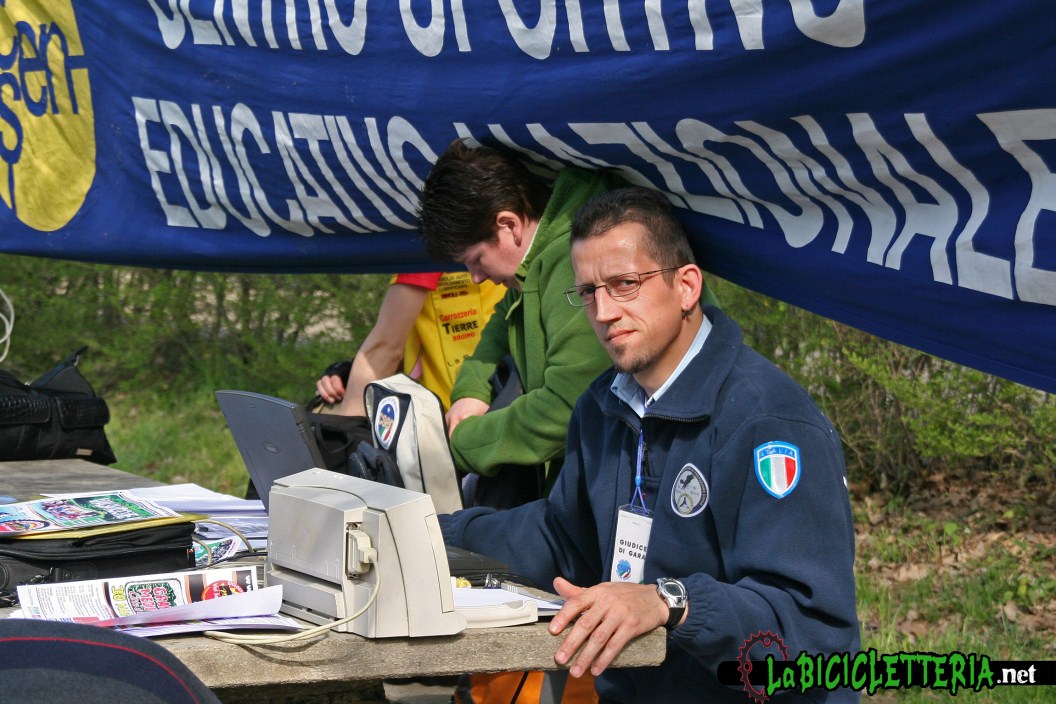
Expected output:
(552, 343)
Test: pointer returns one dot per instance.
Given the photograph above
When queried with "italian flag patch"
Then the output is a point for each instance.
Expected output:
(777, 467)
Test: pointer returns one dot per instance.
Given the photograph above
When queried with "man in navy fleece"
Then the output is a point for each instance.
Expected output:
(702, 489)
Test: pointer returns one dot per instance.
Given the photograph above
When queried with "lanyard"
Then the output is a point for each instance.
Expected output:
(633, 525)
(638, 495)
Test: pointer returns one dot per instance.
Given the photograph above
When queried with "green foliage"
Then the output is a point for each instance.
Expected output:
(172, 330)
(161, 334)
(160, 342)
(175, 440)
(902, 414)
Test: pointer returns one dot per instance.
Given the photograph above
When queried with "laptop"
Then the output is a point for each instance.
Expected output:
(275, 440)
(272, 435)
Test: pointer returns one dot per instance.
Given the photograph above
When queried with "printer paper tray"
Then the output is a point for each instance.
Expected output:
(512, 613)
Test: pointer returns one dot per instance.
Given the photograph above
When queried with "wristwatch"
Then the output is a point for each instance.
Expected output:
(674, 595)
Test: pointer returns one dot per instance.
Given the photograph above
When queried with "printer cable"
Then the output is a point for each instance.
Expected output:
(369, 554)
(209, 553)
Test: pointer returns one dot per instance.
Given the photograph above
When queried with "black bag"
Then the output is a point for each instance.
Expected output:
(375, 464)
(58, 416)
(143, 550)
(336, 435)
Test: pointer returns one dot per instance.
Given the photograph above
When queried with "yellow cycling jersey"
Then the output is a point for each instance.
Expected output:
(448, 328)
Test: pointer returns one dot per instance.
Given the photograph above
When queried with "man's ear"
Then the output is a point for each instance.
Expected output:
(691, 284)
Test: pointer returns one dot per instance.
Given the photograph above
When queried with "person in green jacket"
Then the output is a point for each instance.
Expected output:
(484, 209)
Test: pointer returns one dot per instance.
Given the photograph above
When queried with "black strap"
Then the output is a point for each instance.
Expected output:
(341, 369)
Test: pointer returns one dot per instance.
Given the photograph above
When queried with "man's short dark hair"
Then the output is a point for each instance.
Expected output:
(466, 189)
(667, 243)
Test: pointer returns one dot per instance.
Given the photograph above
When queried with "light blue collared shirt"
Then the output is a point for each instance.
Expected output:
(631, 392)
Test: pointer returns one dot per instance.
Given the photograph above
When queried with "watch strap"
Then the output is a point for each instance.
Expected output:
(674, 616)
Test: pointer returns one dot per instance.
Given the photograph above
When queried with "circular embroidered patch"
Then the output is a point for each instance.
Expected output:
(689, 494)
(387, 420)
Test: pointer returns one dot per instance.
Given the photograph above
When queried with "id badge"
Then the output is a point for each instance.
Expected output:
(632, 543)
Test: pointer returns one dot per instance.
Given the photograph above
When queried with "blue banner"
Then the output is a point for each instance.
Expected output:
(891, 165)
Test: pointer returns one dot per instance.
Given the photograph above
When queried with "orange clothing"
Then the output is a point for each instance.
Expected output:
(499, 688)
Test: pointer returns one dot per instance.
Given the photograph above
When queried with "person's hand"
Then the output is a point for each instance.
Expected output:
(461, 409)
(610, 615)
(330, 388)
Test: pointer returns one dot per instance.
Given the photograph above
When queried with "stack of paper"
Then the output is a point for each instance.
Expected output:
(192, 498)
(160, 604)
(224, 512)
(219, 514)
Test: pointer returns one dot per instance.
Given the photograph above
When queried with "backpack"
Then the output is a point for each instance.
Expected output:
(58, 416)
(409, 431)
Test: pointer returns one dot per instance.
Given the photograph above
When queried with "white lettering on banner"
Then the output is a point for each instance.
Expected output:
(176, 16)
(815, 192)
(725, 205)
(931, 220)
(429, 40)
(349, 36)
(534, 41)
(211, 215)
(318, 203)
(1013, 130)
(342, 138)
(749, 14)
(402, 134)
(313, 129)
(252, 219)
(158, 162)
(404, 195)
(799, 229)
(243, 121)
(981, 272)
(694, 134)
(881, 216)
(624, 135)
(321, 188)
(360, 179)
(173, 26)
(345, 22)
(807, 172)
(844, 27)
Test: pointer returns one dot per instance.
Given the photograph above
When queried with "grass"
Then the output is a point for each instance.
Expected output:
(176, 441)
(935, 573)
(932, 580)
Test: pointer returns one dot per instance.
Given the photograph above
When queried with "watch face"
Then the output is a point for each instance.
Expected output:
(672, 589)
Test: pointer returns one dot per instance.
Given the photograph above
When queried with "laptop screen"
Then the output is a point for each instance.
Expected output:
(272, 435)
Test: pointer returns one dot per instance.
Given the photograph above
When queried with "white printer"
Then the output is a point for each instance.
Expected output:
(321, 526)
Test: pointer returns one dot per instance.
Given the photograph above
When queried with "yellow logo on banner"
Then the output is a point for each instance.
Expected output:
(47, 139)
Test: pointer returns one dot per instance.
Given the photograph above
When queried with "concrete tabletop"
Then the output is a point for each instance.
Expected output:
(337, 667)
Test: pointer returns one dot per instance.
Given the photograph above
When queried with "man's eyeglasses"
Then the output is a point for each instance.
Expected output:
(620, 287)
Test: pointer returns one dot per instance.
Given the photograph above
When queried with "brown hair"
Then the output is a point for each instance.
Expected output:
(466, 189)
(666, 241)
